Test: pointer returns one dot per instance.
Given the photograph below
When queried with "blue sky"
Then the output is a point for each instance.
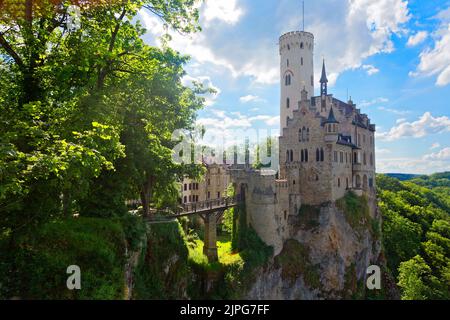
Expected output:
(391, 56)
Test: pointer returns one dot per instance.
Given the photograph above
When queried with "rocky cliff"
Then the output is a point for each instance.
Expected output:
(327, 253)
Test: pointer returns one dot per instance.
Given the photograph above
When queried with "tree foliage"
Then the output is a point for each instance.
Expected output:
(416, 234)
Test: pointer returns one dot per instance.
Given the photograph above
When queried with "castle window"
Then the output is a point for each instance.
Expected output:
(285, 214)
(287, 156)
(339, 182)
(190, 199)
(346, 157)
(317, 177)
(359, 140)
(301, 60)
(288, 80)
(364, 138)
(364, 158)
(288, 47)
(306, 155)
(302, 156)
(371, 159)
(287, 63)
(209, 195)
(185, 187)
(335, 156)
(322, 157)
(346, 183)
(185, 199)
(341, 157)
(218, 195)
(287, 120)
(355, 158)
(288, 102)
(317, 155)
(300, 135)
(307, 134)
(293, 182)
(292, 156)
(301, 45)
(190, 186)
(303, 133)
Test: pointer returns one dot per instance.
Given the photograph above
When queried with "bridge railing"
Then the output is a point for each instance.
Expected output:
(207, 204)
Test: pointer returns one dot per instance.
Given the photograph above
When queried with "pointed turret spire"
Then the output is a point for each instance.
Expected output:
(331, 117)
(323, 81)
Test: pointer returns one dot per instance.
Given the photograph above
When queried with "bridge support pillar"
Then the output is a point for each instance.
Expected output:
(210, 246)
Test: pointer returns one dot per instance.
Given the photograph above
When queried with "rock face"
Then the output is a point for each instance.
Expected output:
(327, 253)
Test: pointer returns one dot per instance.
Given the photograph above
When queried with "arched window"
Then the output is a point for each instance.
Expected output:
(288, 103)
(190, 186)
(185, 187)
(317, 155)
(302, 156)
(306, 155)
(292, 156)
(303, 134)
(307, 134)
(300, 135)
(322, 157)
(301, 45)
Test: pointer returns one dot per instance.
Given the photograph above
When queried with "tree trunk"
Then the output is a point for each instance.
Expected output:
(146, 194)
(66, 203)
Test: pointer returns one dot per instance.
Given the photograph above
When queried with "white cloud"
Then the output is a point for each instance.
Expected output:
(400, 120)
(411, 165)
(436, 61)
(370, 69)
(435, 145)
(223, 121)
(379, 100)
(364, 28)
(443, 154)
(210, 99)
(249, 98)
(394, 111)
(227, 11)
(380, 152)
(417, 38)
(427, 124)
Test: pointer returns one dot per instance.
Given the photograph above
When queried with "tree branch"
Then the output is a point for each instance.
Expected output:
(10, 51)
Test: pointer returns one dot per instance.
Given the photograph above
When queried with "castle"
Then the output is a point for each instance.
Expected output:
(326, 148)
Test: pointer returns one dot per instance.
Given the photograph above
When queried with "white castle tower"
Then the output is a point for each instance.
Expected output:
(296, 71)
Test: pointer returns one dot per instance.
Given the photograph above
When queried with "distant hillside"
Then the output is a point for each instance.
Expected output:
(402, 176)
(416, 233)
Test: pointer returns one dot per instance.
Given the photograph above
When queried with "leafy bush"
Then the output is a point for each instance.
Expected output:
(37, 270)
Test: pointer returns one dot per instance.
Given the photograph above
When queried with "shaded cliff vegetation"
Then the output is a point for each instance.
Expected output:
(416, 233)
(37, 268)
